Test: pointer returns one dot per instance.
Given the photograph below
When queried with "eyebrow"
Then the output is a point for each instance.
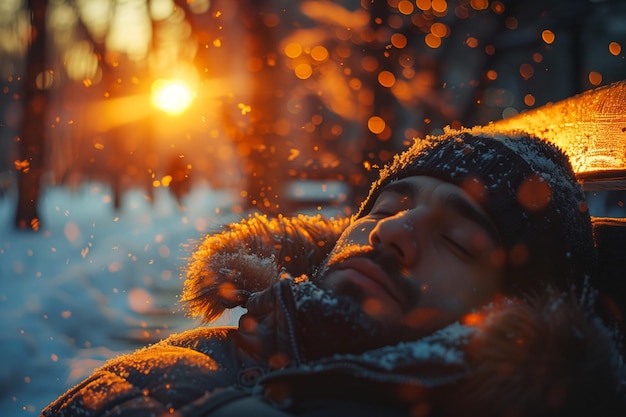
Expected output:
(473, 214)
(455, 202)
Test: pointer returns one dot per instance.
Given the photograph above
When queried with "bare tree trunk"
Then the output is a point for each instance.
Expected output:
(32, 135)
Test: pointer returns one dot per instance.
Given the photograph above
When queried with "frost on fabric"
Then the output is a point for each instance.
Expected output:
(445, 346)
(96, 395)
(309, 293)
(161, 356)
(158, 375)
(533, 154)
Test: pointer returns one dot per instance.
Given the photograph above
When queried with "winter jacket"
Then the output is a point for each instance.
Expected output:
(226, 268)
(545, 356)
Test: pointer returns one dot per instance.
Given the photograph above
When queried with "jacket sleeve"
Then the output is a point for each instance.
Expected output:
(156, 379)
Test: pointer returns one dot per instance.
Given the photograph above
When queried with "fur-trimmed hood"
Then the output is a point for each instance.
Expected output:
(251, 255)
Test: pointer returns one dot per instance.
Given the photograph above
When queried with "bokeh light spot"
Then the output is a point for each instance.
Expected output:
(398, 40)
(511, 23)
(547, 36)
(595, 78)
(615, 48)
(439, 29)
(386, 79)
(139, 300)
(439, 6)
(376, 124)
(405, 7)
(471, 42)
(293, 50)
(369, 63)
(303, 71)
(164, 251)
(432, 41)
(475, 188)
(479, 4)
(423, 4)
(497, 7)
(319, 53)
(372, 306)
(534, 194)
(71, 231)
(44, 80)
(526, 71)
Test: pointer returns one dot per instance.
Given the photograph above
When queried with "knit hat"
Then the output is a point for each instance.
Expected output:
(527, 188)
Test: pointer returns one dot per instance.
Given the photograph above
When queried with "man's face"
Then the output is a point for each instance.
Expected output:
(423, 257)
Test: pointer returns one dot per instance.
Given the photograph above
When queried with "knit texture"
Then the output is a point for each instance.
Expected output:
(529, 191)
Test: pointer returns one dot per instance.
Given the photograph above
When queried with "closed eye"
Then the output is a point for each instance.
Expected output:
(457, 247)
(390, 202)
(384, 212)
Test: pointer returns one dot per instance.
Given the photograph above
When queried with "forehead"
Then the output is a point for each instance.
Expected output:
(424, 185)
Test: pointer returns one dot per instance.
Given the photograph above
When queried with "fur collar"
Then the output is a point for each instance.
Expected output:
(544, 356)
(249, 256)
(547, 355)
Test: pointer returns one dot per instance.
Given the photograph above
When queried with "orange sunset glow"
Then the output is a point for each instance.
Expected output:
(258, 97)
(138, 137)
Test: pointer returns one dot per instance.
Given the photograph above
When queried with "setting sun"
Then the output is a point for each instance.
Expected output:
(171, 96)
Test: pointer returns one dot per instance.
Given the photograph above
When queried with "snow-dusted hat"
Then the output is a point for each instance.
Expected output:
(529, 191)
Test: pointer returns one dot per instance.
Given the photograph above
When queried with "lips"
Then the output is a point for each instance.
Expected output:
(369, 270)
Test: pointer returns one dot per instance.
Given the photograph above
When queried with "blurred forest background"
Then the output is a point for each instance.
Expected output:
(277, 92)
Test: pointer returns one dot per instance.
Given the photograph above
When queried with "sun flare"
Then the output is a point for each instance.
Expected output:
(171, 96)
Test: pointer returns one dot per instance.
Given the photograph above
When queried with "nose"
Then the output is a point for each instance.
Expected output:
(399, 235)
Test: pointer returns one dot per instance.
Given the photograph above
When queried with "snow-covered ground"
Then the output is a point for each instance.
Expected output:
(93, 283)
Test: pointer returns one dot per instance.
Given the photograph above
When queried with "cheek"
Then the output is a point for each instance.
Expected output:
(456, 289)
(489, 282)
(358, 233)
(480, 288)
(353, 241)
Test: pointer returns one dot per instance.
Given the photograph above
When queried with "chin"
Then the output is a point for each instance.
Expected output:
(337, 322)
